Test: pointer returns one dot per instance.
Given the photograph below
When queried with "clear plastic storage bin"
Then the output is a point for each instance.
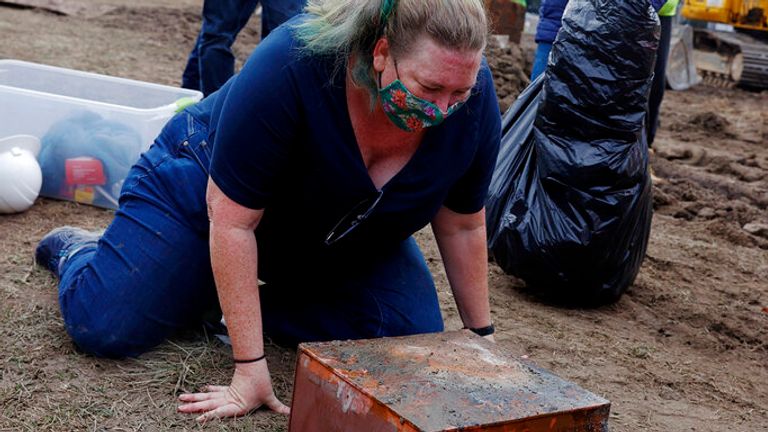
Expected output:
(92, 127)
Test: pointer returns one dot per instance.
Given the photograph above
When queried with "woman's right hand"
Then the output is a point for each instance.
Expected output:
(251, 388)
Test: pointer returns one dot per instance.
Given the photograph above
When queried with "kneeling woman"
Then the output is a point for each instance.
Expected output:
(349, 128)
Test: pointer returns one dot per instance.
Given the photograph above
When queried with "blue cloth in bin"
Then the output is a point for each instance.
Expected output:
(87, 134)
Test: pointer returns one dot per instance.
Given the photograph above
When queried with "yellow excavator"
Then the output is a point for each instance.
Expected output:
(727, 58)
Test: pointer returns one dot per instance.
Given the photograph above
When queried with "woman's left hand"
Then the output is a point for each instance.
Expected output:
(251, 388)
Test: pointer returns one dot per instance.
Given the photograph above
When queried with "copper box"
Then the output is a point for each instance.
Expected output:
(436, 382)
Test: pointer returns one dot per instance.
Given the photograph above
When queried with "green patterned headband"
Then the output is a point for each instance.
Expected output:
(387, 7)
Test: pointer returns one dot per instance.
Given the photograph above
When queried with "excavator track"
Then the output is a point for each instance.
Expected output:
(755, 65)
(731, 59)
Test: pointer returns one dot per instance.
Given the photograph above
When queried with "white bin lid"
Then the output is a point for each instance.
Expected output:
(89, 86)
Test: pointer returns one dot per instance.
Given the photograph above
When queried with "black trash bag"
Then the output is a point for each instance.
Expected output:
(570, 209)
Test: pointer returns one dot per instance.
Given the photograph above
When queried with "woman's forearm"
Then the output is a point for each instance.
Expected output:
(233, 258)
(462, 243)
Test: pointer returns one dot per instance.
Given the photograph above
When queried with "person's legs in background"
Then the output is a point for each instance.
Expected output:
(276, 12)
(222, 21)
(659, 78)
(190, 78)
(150, 275)
(391, 294)
(212, 54)
(540, 59)
(211, 62)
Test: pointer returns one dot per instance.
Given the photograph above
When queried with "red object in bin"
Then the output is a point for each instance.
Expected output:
(84, 171)
(453, 381)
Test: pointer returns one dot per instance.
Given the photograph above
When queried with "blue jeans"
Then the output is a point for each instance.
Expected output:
(150, 274)
(540, 59)
(211, 62)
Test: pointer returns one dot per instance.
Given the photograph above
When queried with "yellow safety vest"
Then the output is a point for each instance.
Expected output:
(669, 8)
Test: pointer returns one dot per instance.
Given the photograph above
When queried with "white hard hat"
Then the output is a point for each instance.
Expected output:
(20, 174)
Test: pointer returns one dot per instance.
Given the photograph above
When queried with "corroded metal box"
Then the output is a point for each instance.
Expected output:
(436, 382)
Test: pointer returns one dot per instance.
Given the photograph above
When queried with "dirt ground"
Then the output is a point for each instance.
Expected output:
(686, 349)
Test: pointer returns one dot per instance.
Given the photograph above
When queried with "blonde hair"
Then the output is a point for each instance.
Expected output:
(349, 29)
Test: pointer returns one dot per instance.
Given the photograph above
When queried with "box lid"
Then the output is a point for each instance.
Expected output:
(91, 87)
(452, 381)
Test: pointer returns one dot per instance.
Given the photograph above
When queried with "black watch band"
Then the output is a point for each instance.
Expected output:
(483, 331)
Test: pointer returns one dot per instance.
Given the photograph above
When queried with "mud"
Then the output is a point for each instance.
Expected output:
(511, 70)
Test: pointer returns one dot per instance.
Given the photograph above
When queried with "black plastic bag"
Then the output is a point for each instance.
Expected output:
(570, 205)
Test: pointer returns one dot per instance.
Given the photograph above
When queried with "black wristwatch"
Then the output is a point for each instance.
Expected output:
(483, 331)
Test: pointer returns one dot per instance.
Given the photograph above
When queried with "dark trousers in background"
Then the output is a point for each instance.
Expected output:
(211, 62)
(659, 78)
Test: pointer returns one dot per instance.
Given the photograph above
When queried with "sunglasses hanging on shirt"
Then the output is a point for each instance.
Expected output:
(353, 218)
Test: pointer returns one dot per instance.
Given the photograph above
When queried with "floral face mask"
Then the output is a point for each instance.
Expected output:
(408, 111)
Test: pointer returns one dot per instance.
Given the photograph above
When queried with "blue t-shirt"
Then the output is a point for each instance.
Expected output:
(283, 142)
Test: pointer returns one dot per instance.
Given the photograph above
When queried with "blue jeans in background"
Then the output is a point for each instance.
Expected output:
(540, 59)
(211, 62)
(150, 274)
